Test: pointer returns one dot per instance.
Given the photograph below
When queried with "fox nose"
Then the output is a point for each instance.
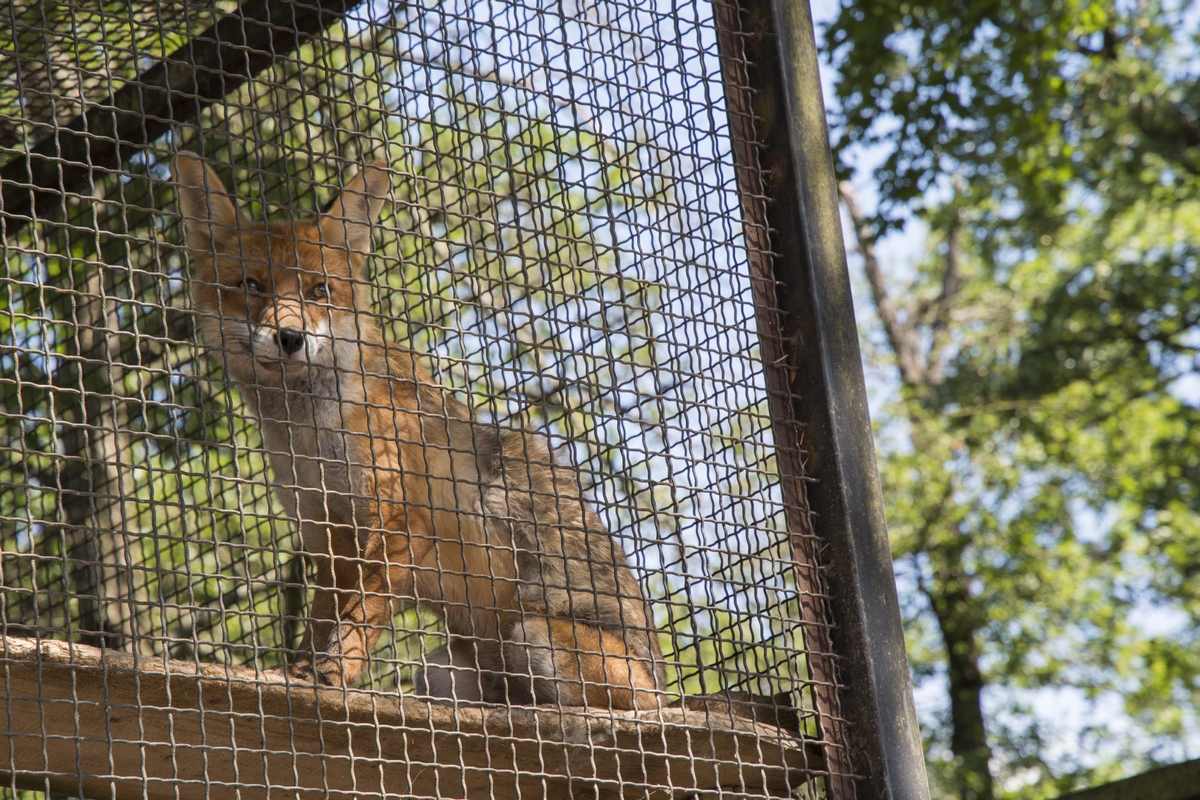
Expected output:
(290, 340)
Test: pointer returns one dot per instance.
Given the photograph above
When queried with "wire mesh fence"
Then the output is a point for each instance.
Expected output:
(519, 455)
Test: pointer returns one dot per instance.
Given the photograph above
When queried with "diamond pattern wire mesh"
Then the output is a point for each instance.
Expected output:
(562, 247)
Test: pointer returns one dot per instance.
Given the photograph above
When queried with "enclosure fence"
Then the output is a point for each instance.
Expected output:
(562, 489)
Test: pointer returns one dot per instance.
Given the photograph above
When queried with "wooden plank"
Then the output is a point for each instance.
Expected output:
(1176, 782)
(94, 723)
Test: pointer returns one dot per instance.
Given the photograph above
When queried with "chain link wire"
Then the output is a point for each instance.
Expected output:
(561, 246)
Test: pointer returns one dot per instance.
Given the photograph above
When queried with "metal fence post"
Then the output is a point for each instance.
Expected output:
(818, 404)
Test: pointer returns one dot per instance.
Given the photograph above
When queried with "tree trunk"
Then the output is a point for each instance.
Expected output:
(99, 517)
(94, 508)
(958, 622)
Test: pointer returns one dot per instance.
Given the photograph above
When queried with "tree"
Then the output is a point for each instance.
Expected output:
(1035, 456)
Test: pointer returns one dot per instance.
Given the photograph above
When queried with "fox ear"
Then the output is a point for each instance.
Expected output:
(209, 214)
(348, 222)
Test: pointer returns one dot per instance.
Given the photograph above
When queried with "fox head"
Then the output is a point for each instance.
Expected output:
(276, 299)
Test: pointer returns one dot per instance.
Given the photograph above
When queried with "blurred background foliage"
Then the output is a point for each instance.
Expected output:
(530, 256)
(1035, 365)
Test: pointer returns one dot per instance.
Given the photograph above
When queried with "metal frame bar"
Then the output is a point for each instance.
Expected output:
(814, 365)
(204, 70)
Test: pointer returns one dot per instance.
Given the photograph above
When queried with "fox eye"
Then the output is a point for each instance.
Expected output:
(319, 292)
(252, 286)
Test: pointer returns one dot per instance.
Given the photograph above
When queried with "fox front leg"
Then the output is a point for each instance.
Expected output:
(352, 605)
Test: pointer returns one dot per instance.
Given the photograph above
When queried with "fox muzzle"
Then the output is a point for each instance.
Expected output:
(290, 340)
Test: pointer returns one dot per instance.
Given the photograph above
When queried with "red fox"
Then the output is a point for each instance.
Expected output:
(400, 496)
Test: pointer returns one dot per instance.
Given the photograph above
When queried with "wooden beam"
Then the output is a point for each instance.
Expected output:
(1176, 782)
(86, 722)
(65, 165)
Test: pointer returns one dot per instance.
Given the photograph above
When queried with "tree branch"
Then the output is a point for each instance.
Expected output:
(1170, 130)
(942, 306)
(1108, 45)
(901, 334)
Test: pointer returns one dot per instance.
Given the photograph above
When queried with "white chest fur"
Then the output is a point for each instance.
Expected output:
(305, 434)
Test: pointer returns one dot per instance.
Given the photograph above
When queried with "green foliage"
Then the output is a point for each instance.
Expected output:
(1041, 485)
(1019, 103)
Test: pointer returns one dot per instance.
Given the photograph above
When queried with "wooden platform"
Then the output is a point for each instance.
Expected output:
(100, 724)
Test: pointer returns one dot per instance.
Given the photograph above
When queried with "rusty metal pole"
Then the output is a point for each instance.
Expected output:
(817, 399)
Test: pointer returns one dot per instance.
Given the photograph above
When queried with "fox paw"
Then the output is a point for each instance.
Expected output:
(299, 672)
(328, 671)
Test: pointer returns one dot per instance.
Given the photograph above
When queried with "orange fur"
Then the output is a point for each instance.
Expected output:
(399, 494)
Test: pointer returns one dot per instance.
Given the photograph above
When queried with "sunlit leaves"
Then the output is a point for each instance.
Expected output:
(1024, 104)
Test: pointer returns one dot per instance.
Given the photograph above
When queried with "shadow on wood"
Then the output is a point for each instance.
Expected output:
(82, 721)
